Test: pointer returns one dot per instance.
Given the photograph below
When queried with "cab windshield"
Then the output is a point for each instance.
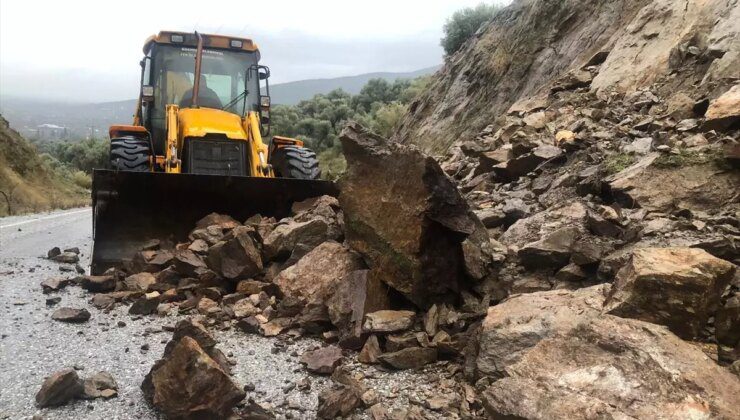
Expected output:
(222, 81)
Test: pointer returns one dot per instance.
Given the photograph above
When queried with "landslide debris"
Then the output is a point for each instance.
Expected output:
(573, 253)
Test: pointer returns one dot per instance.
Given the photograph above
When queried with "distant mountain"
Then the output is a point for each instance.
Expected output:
(79, 120)
(291, 93)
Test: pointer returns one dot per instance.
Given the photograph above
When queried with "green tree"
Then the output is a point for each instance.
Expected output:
(463, 24)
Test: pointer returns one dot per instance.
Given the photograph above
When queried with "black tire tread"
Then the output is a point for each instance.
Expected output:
(129, 154)
(296, 162)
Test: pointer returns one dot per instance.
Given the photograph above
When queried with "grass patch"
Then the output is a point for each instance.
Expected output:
(618, 162)
(684, 157)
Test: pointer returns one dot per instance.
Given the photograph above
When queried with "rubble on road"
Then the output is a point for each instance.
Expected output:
(65, 385)
(71, 315)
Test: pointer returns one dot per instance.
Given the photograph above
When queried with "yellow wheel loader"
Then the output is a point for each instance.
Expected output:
(198, 144)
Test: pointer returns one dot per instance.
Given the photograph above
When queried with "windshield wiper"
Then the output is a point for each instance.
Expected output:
(235, 100)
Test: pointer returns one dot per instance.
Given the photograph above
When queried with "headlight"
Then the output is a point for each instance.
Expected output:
(177, 38)
(236, 43)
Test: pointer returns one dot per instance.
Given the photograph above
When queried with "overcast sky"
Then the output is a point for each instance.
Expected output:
(89, 51)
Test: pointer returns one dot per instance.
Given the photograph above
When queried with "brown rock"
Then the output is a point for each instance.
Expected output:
(100, 385)
(552, 251)
(98, 284)
(727, 327)
(275, 326)
(322, 361)
(676, 287)
(409, 358)
(386, 321)
(139, 282)
(724, 111)
(431, 320)
(59, 388)
(145, 305)
(318, 274)
(54, 284)
(244, 308)
(189, 384)
(223, 221)
(611, 367)
(693, 187)
(236, 257)
(358, 294)
(515, 325)
(66, 258)
(417, 251)
(199, 246)
(370, 351)
(337, 402)
(193, 329)
(187, 263)
(71, 315)
(152, 261)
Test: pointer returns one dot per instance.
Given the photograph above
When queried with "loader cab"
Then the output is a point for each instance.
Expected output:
(231, 78)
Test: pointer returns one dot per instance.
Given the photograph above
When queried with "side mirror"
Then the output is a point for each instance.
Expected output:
(147, 93)
(264, 74)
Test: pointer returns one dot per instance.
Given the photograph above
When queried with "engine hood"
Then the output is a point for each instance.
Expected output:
(199, 122)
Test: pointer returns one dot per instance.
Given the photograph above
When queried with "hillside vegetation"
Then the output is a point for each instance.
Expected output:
(318, 121)
(30, 182)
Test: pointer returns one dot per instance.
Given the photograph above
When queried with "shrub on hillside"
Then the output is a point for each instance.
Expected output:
(463, 24)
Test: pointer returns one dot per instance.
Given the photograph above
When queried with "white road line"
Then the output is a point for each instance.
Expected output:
(54, 216)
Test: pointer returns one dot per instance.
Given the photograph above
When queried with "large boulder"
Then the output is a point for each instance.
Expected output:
(405, 216)
(611, 367)
(514, 326)
(237, 256)
(676, 287)
(188, 384)
(316, 276)
(696, 187)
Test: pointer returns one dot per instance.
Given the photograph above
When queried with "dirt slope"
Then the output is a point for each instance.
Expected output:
(29, 182)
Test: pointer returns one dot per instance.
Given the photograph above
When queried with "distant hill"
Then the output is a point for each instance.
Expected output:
(80, 120)
(291, 93)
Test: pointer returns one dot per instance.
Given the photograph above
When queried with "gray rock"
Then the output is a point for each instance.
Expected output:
(71, 315)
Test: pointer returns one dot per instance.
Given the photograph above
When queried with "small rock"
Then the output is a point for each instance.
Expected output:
(322, 361)
(370, 351)
(71, 315)
(409, 358)
(59, 388)
(388, 321)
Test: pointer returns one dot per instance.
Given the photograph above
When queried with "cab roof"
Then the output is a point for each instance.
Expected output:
(191, 40)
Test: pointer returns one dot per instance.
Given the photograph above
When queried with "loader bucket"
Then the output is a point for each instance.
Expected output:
(131, 208)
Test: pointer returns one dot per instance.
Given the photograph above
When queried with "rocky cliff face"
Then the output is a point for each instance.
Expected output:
(533, 42)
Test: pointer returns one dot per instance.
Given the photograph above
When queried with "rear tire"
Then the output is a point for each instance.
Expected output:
(296, 162)
(130, 154)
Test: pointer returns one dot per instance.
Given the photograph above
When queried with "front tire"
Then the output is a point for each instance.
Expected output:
(296, 162)
(130, 154)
